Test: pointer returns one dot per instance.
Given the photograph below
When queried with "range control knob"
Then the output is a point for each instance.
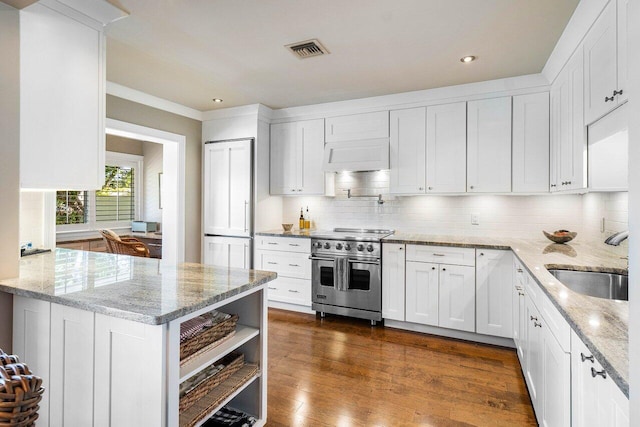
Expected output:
(318, 244)
(347, 247)
(370, 248)
(327, 245)
(338, 246)
(360, 247)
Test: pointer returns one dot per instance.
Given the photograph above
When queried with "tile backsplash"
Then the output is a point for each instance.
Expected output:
(518, 216)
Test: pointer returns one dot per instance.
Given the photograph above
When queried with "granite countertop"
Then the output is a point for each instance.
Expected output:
(602, 324)
(140, 289)
(306, 233)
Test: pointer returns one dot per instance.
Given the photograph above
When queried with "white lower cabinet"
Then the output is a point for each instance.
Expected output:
(231, 252)
(556, 394)
(393, 279)
(422, 293)
(494, 286)
(595, 399)
(533, 356)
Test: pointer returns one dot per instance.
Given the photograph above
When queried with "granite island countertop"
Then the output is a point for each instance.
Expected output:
(603, 325)
(140, 289)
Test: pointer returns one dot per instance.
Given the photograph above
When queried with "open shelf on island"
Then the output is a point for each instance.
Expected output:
(220, 396)
(206, 357)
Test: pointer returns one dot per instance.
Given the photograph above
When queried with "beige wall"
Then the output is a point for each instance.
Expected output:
(120, 144)
(131, 112)
(152, 167)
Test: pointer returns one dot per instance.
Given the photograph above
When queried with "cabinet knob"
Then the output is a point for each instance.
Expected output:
(471, 187)
(595, 373)
(400, 248)
(607, 98)
(589, 358)
(617, 92)
(481, 253)
(430, 188)
(553, 185)
(444, 269)
(433, 268)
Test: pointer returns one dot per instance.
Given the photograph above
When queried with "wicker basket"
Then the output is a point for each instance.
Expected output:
(19, 397)
(209, 336)
(232, 362)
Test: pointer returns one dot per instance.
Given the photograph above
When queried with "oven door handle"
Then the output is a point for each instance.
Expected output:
(316, 258)
(362, 261)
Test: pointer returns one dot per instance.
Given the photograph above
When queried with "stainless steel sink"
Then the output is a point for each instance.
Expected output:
(601, 285)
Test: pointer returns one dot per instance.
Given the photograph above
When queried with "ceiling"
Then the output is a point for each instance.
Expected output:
(190, 51)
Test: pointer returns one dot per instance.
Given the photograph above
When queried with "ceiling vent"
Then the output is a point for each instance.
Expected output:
(307, 49)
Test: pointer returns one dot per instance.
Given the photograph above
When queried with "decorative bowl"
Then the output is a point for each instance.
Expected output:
(287, 227)
(561, 236)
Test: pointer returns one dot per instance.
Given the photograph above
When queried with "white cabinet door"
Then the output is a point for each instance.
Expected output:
(130, 374)
(447, 148)
(227, 251)
(489, 145)
(518, 313)
(457, 298)
(62, 95)
(407, 151)
(310, 152)
(494, 289)
(71, 366)
(227, 188)
(531, 143)
(556, 393)
(422, 301)
(357, 126)
(284, 159)
(534, 356)
(600, 65)
(31, 342)
(623, 27)
(393, 281)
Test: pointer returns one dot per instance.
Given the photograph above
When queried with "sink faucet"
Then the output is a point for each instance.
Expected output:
(617, 238)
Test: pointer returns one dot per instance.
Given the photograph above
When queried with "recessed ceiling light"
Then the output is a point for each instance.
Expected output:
(469, 58)
(217, 100)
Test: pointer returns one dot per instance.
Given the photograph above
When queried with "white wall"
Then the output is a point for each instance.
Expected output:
(152, 153)
(38, 218)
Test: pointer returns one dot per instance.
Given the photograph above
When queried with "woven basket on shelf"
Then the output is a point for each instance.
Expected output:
(209, 336)
(20, 395)
(232, 362)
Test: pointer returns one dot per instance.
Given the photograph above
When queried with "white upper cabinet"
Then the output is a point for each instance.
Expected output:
(623, 6)
(531, 143)
(447, 148)
(494, 284)
(296, 158)
(407, 151)
(568, 130)
(62, 95)
(489, 145)
(357, 127)
(604, 61)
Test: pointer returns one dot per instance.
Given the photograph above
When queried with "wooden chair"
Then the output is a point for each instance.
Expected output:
(124, 245)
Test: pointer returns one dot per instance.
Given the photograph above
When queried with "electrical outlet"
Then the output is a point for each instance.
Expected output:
(475, 219)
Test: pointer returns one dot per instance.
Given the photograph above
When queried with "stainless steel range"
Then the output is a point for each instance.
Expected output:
(346, 272)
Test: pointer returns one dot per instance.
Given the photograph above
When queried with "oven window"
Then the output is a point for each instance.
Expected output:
(360, 280)
(326, 276)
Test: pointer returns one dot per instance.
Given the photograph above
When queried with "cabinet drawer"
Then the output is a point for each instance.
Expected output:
(289, 244)
(556, 323)
(287, 264)
(292, 291)
(442, 255)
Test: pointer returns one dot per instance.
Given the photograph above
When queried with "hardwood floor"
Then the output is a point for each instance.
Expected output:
(342, 372)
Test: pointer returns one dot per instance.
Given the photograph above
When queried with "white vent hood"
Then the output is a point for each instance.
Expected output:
(356, 156)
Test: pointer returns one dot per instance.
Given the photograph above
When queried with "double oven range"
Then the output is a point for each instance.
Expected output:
(346, 272)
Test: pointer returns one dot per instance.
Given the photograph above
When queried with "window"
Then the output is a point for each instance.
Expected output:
(114, 206)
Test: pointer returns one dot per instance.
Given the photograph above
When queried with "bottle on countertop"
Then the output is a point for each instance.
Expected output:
(307, 220)
(301, 225)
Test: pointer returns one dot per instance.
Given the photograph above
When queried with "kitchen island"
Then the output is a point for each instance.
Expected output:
(103, 331)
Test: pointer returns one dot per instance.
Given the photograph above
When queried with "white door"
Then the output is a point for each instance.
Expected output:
(227, 251)
(489, 145)
(556, 394)
(457, 298)
(422, 293)
(357, 126)
(447, 148)
(522, 328)
(284, 159)
(227, 188)
(531, 143)
(584, 393)
(309, 153)
(494, 289)
(623, 28)
(573, 160)
(534, 356)
(407, 151)
(600, 65)
(393, 281)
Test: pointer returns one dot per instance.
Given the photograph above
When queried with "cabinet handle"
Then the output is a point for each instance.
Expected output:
(534, 318)
(271, 243)
(595, 373)
(433, 268)
(273, 289)
(400, 248)
(430, 188)
(519, 270)
(420, 188)
(272, 263)
(294, 265)
(293, 190)
(539, 325)
(553, 185)
(518, 288)
(481, 253)
(617, 92)
(607, 99)
(583, 357)
(294, 291)
(444, 269)
(521, 293)
(568, 182)
(293, 244)
(438, 254)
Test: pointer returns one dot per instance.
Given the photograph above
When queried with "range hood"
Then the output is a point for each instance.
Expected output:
(356, 156)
